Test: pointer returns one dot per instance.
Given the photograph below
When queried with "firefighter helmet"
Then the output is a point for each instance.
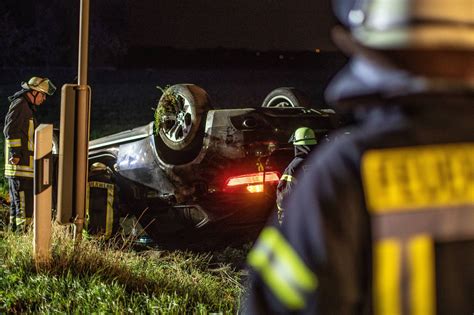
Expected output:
(303, 136)
(43, 85)
(409, 24)
(97, 167)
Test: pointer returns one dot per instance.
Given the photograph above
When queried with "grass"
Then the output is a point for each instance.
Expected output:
(99, 277)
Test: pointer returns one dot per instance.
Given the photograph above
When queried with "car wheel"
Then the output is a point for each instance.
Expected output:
(180, 132)
(180, 125)
(286, 97)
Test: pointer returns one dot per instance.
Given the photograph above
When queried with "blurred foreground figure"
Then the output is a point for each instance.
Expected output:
(382, 222)
(19, 132)
(304, 140)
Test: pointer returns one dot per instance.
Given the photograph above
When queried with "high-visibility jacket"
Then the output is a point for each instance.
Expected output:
(19, 131)
(382, 222)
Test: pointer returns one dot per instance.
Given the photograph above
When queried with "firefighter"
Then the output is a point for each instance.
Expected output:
(303, 140)
(102, 210)
(19, 130)
(382, 221)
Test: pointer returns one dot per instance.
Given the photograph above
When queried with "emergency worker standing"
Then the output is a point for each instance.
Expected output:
(382, 221)
(19, 131)
(303, 140)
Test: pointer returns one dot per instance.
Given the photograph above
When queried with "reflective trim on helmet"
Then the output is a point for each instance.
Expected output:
(282, 269)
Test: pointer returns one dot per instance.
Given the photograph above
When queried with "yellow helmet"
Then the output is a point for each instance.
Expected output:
(43, 85)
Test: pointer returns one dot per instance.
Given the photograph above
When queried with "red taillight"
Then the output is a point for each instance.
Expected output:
(253, 181)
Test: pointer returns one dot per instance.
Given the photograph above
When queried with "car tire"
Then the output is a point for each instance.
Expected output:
(182, 142)
(286, 97)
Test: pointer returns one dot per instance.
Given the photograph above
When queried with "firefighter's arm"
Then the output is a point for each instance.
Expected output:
(285, 185)
(284, 275)
(281, 280)
(12, 130)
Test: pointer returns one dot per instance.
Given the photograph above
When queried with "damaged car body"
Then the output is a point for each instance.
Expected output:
(203, 176)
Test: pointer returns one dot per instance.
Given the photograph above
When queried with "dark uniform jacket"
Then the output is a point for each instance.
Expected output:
(288, 179)
(19, 130)
(334, 254)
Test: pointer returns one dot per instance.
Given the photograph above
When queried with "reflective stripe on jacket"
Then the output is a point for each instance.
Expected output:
(334, 219)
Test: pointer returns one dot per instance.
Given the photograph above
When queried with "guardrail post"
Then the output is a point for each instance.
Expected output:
(43, 176)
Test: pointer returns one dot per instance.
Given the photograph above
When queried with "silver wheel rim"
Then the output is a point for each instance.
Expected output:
(182, 123)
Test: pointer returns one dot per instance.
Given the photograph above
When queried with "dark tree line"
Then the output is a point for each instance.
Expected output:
(45, 32)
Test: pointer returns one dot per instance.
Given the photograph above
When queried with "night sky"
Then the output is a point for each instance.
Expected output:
(247, 24)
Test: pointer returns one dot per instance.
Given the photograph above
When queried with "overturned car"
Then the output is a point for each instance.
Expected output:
(198, 176)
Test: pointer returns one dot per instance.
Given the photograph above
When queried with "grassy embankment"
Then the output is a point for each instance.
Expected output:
(99, 277)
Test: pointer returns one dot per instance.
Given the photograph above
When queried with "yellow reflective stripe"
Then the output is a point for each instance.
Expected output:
(86, 224)
(110, 211)
(19, 173)
(6, 154)
(386, 280)
(282, 290)
(23, 221)
(20, 221)
(422, 275)
(21, 213)
(12, 167)
(282, 269)
(13, 143)
(101, 185)
(28, 168)
(302, 275)
(20, 170)
(286, 177)
(31, 134)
